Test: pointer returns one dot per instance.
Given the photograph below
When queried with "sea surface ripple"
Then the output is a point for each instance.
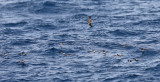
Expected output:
(57, 45)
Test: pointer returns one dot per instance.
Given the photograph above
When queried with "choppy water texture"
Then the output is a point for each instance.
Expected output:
(59, 45)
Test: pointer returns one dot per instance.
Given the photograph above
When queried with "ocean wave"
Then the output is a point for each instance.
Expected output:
(16, 6)
(125, 33)
(60, 45)
(21, 42)
(9, 31)
(153, 23)
(17, 24)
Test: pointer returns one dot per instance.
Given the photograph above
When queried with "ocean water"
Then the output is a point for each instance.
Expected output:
(59, 46)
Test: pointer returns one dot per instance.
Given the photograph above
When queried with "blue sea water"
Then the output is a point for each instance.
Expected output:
(43, 29)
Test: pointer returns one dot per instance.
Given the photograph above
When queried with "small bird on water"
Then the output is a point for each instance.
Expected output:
(129, 60)
(104, 52)
(135, 59)
(89, 21)
(23, 53)
(143, 49)
(69, 55)
(123, 45)
(94, 51)
(5, 54)
(62, 43)
(63, 53)
(118, 55)
(22, 61)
